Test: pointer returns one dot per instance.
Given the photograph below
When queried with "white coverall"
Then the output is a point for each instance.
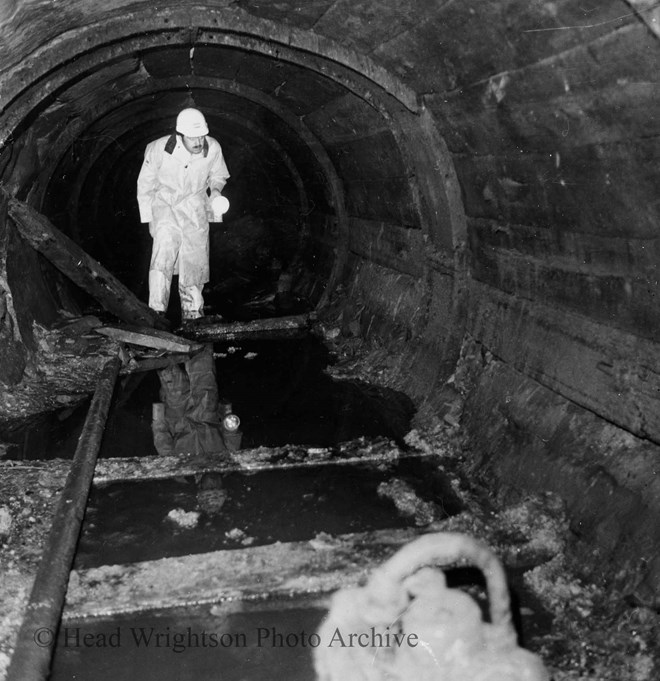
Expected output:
(172, 198)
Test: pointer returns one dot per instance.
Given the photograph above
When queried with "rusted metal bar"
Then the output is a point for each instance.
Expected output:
(272, 327)
(38, 633)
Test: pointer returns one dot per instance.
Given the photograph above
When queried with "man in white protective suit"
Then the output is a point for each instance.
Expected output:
(179, 189)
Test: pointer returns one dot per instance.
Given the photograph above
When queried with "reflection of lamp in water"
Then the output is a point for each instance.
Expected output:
(231, 434)
(231, 423)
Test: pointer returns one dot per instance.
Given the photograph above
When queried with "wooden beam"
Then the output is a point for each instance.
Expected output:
(81, 268)
(149, 338)
(207, 331)
(139, 366)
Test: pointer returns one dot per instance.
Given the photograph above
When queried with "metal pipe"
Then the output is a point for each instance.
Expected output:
(36, 638)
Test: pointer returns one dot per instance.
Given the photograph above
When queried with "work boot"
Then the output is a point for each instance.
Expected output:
(190, 315)
(161, 321)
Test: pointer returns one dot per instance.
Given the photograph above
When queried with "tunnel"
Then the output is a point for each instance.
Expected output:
(467, 189)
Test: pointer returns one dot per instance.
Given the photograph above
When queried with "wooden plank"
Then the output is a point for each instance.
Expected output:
(610, 372)
(511, 35)
(345, 119)
(626, 302)
(302, 15)
(589, 253)
(154, 363)
(605, 190)
(376, 180)
(302, 567)
(611, 115)
(628, 55)
(387, 244)
(112, 470)
(80, 268)
(208, 331)
(388, 296)
(149, 338)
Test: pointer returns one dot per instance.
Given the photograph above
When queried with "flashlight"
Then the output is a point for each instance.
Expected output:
(220, 205)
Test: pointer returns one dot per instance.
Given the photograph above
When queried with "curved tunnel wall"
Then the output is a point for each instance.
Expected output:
(488, 172)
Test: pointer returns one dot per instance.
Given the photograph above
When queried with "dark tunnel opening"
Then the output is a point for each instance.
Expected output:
(276, 191)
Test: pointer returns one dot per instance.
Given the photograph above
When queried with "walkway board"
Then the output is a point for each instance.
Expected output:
(308, 567)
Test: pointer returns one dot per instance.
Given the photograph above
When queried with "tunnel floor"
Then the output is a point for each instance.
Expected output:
(279, 388)
(273, 507)
(200, 643)
(134, 521)
(327, 467)
(256, 641)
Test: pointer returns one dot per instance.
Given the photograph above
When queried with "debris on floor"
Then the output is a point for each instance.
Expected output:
(595, 634)
(62, 372)
(324, 541)
(184, 519)
(408, 503)
(238, 535)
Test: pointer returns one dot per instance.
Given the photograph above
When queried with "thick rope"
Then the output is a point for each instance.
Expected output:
(406, 625)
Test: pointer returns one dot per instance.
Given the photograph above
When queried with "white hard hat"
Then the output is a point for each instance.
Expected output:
(191, 123)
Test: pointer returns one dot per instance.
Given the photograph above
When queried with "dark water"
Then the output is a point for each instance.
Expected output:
(127, 522)
(46, 436)
(259, 642)
(278, 388)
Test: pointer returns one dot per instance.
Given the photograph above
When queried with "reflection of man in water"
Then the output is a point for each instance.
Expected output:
(189, 417)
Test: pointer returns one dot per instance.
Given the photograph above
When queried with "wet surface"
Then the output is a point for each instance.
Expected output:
(252, 641)
(278, 389)
(283, 395)
(49, 436)
(136, 521)
(260, 641)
